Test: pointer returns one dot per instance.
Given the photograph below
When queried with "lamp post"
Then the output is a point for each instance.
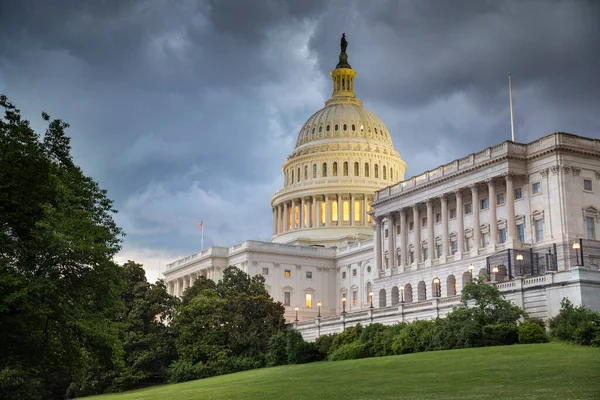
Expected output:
(576, 247)
(401, 294)
(495, 272)
(520, 263)
(371, 299)
(471, 268)
(438, 289)
(319, 309)
(344, 305)
(296, 309)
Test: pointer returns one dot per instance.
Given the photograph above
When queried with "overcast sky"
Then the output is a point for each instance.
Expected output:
(185, 110)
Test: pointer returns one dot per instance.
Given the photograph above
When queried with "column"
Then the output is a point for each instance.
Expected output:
(314, 221)
(351, 208)
(285, 220)
(492, 212)
(176, 287)
(340, 209)
(430, 235)
(302, 223)
(445, 238)
(192, 279)
(327, 211)
(510, 211)
(475, 211)
(403, 237)
(417, 233)
(274, 220)
(391, 245)
(378, 244)
(364, 213)
(293, 216)
(460, 221)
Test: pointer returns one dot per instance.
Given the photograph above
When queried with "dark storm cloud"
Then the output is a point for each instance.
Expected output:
(185, 110)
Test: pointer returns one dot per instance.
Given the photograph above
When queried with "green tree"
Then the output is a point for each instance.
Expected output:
(59, 288)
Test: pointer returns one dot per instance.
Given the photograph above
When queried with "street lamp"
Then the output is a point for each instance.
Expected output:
(438, 289)
(371, 299)
(576, 247)
(471, 268)
(344, 305)
(402, 294)
(495, 272)
(296, 309)
(319, 309)
(520, 263)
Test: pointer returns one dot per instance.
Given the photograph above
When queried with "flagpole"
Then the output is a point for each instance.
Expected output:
(202, 240)
(512, 121)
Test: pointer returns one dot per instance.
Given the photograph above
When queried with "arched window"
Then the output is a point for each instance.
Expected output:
(353, 127)
(376, 131)
(292, 176)
(313, 131)
(395, 295)
(336, 127)
(345, 168)
(421, 291)
(320, 129)
(356, 169)
(305, 172)
(366, 170)
(391, 174)
(382, 299)
(368, 295)
(376, 171)
(345, 127)
(451, 286)
(324, 170)
(334, 173)
(299, 176)
(328, 128)
(384, 173)
(314, 171)
(408, 296)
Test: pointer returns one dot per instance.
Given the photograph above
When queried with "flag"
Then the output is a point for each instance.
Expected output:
(200, 225)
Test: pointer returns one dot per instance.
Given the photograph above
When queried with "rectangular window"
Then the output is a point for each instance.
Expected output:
(369, 217)
(334, 211)
(346, 211)
(411, 225)
(308, 300)
(502, 235)
(344, 275)
(500, 199)
(485, 240)
(454, 245)
(355, 298)
(308, 274)
(539, 230)
(265, 271)
(587, 185)
(484, 204)
(438, 218)
(468, 208)
(590, 227)
(412, 257)
(354, 272)
(452, 213)
(357, 211)
(518, 194)
(468, 244)
(397, 229)
(425, 254)
(287, 298)
(305, 211)
(287, 273)
(536, 188)
(385, 233)
(322, 213)
(521, 232)
(296, 216)
(424, 222)
(440, 250)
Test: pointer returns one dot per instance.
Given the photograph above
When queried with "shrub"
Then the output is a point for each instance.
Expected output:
(531, 332)
(245, 363)
(579, 325)
(348, 336)
(183, 371)
(349, 351)
(323, 345)
(416, 337)
(277, 353)
(500, 334)
(370, 338)
(298, 350)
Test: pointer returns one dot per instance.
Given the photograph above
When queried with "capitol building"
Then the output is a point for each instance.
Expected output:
(354, 241)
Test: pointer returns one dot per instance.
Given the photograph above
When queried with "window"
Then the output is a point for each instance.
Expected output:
(411, 256)
(355, 298)
(287, 298)
(366, 170)
(324, 170)
(590, 228)
(328, 128)
(468, 208)
(468, 244)
(539, 230)
(322, 213)
(411, 225)
(356, 169)
(265, 271)
(587, 185)
(369, 217)
(521, 232)
(397, 229)
(385, 233)
(346, 168)
(452, 213)
(305, 172)
(440, 250)
(292, 176)
(376, 171)
(314, 171)
(357, 211)
(308, 300)
(454, 246)
(502, 235)
(354, 272)
(336, 127)
(308, 274)
(536, 188)
(424, 222)
(384, 173)
(425, 254)
(500, 199)
(334, 211)
(346, 211)
(343, 274)
(353, 127)
(345, 127)
(518, 194)
(438, 218)
(485, 239)
(484, 204)
(334, 172)
(287, 273)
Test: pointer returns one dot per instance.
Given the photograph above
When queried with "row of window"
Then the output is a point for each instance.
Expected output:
(293, 217)
(344, 127)
(295, 176)
(308, 299)
(287, 273)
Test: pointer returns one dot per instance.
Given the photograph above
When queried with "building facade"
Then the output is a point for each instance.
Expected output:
(353, 241)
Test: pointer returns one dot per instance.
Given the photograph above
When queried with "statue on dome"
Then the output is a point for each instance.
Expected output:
(344, 43)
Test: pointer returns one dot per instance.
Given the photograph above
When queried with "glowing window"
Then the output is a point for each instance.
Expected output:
(346, 211)
(369, 217)
(296, 220)
(334, 211)
(355, 298)
(305, 211)
(308, 300)
(357, 211)
(322, 213)
(287, 273)
(287, 298)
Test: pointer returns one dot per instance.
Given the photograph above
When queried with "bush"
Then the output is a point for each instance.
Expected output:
(348, 336)
(500, 334)
(578, 325)
(414, 338)
(277, 353)
(531, 332)
(245, 363)
(298, 350)
(323, 345)
(183, 371)
(349, 351)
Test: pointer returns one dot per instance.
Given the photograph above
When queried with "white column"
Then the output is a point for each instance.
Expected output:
(302, 222)
(445, 238)
(492, 213)
(475, 219)
(192, 279)
(430, 235)
(364, 211)
(285, 217)
(460, 221)
(391, 245)
(403, 237)
(512, 238)
(378, 244)
(417, 233)
(314, 221)
(293, 215)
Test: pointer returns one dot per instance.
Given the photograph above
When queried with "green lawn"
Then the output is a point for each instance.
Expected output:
(543, 371)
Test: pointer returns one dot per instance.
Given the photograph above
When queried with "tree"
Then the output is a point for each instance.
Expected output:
(59, 288)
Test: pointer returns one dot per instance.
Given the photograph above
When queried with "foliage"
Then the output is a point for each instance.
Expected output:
(349, 335)
(288, 347)
(324, 343)
(489, 305)
(414, 338)
(500, 334)
(59, 288)
(579, 325)
(531, 332)
(349, 351)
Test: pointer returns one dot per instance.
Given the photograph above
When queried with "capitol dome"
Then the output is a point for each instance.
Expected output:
(343, 154)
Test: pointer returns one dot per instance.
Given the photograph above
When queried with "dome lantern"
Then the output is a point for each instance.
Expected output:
(343, 79)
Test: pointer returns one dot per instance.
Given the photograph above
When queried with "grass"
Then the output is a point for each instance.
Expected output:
(542, 371)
